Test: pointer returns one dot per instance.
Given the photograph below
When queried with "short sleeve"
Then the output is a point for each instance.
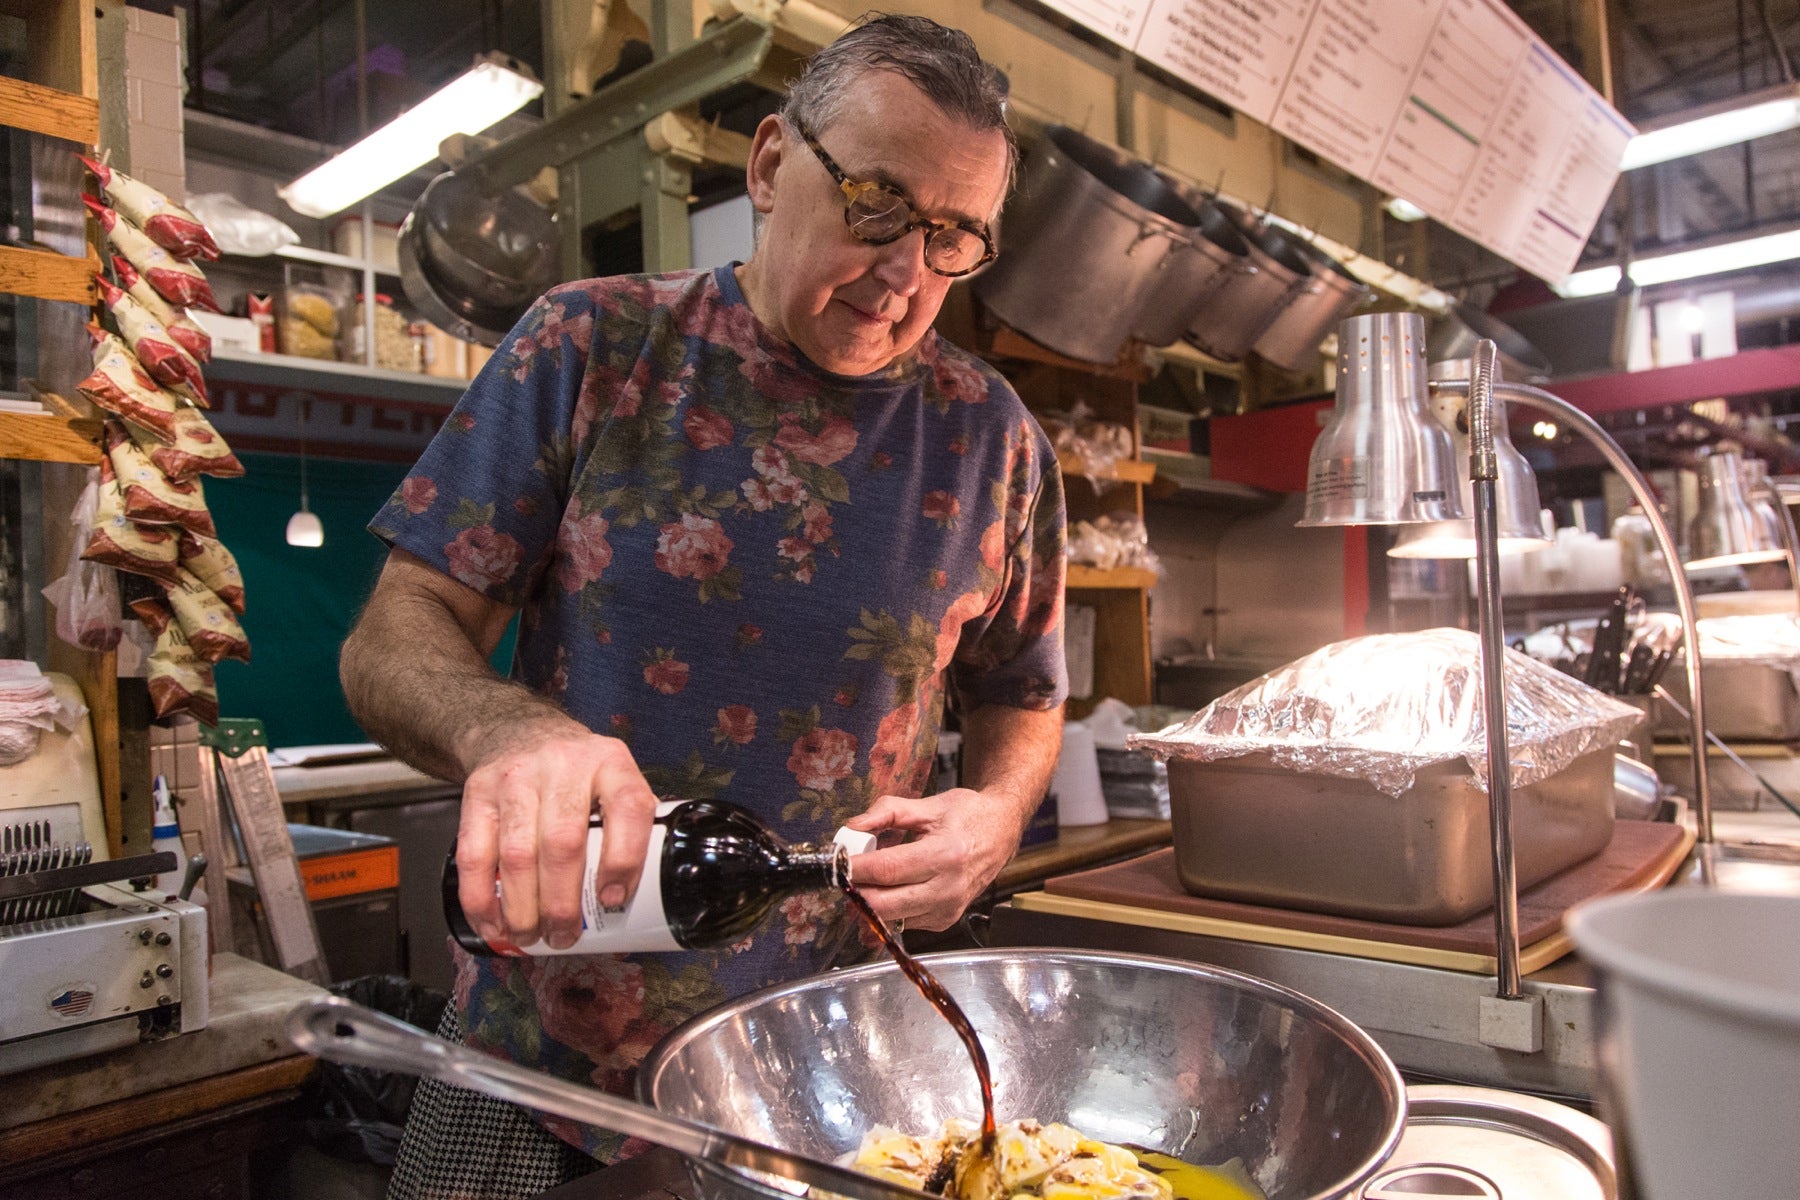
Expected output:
(484, 501)
(1013, 655)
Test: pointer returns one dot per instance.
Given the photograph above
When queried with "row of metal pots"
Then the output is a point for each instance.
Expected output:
(1102, 248)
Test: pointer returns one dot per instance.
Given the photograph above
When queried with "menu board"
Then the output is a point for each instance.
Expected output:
(1454, 105)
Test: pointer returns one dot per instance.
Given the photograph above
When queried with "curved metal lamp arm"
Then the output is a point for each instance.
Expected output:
(1537, 398)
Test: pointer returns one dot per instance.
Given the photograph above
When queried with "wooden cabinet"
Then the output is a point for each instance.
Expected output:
(58, 97)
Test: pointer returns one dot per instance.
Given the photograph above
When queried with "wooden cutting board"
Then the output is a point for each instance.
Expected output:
(1642, 856)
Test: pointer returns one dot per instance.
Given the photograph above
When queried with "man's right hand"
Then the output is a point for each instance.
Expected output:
(525, 814)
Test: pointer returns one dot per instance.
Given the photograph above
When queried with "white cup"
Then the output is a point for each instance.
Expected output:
(1079, 800)
(1699, 1038)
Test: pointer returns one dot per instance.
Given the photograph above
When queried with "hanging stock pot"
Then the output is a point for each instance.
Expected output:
(1213, 254)
(1087, 236)
(1314, 309)
(1236, 314)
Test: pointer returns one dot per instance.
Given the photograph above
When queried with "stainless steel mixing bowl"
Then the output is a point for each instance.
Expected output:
(1195, 1061)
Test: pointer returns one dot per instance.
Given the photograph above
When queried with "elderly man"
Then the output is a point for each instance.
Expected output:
(760, 523)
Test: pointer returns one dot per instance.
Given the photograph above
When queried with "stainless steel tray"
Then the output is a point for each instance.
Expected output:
(1745, 701)
(1247, 830)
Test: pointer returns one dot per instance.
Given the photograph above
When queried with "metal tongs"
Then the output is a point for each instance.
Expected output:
(349, 1033)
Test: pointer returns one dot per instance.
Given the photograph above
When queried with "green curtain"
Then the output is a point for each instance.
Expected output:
(301, 602)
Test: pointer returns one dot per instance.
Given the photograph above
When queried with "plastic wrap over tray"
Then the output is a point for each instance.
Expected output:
(1380, 708)
(1770, 638)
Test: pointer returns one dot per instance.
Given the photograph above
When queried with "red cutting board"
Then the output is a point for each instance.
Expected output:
(1145, 891)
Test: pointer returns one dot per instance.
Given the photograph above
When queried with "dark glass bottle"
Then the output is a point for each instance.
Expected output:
(712, 874)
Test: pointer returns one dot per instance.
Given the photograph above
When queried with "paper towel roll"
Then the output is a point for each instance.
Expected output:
(1076, 783)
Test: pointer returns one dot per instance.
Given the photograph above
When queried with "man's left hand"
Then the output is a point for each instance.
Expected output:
(959, 841)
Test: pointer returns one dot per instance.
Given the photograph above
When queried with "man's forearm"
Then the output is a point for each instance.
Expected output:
(417, 684)
(1010, 753)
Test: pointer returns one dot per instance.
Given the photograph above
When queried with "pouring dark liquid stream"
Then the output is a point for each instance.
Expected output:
(945, 1003)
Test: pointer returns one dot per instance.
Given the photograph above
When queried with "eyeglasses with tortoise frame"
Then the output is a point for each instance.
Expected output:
(878, 214)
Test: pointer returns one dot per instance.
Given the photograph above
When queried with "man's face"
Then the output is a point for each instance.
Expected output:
(849, 306)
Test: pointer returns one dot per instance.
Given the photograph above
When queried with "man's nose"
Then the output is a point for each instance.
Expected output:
(900, 265)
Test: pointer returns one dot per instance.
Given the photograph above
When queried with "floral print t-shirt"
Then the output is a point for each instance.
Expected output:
(762, 576)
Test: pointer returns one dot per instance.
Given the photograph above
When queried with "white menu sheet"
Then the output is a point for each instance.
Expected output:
(1454, 105)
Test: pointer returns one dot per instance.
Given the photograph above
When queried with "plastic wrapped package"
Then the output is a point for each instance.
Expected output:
(179, 282)
(1383, 707)
(194, 449)
(119, 385)
(180, 680)
(183, 328)
(207, 621)
(216, 567)
(1112, 541)
(1095, 447)
(308, 325)
(167, 361)
(118, 541)
(152, 498)
(1770, 638)
(240, 229)
(168, 224)
(86, 594)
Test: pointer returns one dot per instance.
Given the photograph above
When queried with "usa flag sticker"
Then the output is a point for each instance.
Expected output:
(73, 1001)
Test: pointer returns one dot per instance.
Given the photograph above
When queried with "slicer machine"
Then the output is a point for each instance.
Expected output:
(89, 960)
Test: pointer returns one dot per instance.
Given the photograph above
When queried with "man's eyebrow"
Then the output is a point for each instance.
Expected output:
(877, 175)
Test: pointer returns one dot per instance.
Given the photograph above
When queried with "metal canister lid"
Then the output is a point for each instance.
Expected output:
(1469, 1143)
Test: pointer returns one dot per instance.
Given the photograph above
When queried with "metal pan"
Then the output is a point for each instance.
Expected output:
(349, 1033)
(1233, 316)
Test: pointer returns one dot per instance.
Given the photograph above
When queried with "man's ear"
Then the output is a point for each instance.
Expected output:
(767, 149)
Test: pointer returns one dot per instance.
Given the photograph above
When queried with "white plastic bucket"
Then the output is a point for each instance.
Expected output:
(1700, 1038)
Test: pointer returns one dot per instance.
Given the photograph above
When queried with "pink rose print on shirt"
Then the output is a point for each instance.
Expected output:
(822, 757)
(707, 429)
(805, 916)
(590, 1002)
(664, 672)
(463, 421)
(482, 557)
(835, 439)
(893, 747)
(959, 444)
(778, 484)
(694, 547)
(748, 635)
(418, 494)
(800, 552)
(582, 551)
(737, 723)
(815, 523)
(881, 460)
(938, 580)
(943, 508)
(959, 379)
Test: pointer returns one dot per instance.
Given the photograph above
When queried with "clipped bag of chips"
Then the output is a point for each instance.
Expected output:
(118, 541)
(187, 334)
(120, 385)
(216, 567)
(168, 224)
(178, 281)
(152, 498)
(207, 620)
(164, 358)
(197, 448)
(180, 680)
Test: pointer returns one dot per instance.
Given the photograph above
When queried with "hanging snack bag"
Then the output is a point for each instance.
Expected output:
(119, 385)
(187, 334)
(207, 621)
(197, 448)
(117, 541)
(216, 567)
(152, 498)
(176, 280)
(180, 680)
(168, 224)
(166, 361)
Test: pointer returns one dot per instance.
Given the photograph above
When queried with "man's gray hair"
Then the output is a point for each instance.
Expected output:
(940, 61)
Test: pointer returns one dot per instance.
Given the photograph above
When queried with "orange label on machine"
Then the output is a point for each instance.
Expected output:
(351, 874)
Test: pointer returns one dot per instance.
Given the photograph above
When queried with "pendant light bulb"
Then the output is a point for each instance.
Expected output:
(304, 528)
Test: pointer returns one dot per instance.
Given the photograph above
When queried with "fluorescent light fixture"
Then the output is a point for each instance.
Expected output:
(490, 90)
(1404, 210)
(1726, 123)
(1688, 264)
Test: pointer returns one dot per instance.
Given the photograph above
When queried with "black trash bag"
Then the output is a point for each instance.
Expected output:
(356, 1113)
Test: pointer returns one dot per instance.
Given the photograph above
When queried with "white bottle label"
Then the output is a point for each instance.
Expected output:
(640, 926)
